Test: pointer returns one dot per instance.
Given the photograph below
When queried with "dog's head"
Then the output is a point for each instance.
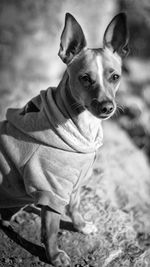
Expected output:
(94, 74)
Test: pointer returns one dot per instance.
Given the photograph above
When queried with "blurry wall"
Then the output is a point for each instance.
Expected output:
(134, 93)
(139, 20)
(29, 42)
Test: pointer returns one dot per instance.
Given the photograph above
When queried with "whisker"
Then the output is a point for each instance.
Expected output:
(117, 113)
(120, 108)
(76, 105)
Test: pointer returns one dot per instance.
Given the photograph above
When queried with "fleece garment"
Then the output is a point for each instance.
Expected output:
(44, 157)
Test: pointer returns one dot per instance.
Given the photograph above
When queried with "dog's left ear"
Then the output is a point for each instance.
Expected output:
(72, 39)
(116, 35)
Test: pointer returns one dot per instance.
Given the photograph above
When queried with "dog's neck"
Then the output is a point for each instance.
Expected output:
(87, 123)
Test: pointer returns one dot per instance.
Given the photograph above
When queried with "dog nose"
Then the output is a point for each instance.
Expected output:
(106, 107)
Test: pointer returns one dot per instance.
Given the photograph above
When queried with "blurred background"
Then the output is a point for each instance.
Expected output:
(29, 43)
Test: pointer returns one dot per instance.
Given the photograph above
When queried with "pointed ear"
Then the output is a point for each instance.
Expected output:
(72, 39)
(116, 35)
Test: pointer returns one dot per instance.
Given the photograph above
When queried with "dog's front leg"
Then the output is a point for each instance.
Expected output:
(50, 226)
(83, 226)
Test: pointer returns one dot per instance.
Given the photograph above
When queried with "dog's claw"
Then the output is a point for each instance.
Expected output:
(5, 223)
(61, 260)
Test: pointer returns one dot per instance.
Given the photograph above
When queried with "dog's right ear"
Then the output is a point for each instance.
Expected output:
(72, 39)
(116, 35)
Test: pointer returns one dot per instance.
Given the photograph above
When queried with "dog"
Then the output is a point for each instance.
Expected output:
(47, 148)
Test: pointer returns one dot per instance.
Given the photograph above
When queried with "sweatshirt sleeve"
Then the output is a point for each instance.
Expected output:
(48, 180)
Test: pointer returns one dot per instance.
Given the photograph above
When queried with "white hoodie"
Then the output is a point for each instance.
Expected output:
(44, 157)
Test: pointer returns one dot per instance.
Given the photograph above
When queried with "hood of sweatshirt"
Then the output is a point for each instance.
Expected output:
(44, 121)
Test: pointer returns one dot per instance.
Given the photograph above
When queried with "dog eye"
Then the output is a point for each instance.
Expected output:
(86, 79)
(115, 77)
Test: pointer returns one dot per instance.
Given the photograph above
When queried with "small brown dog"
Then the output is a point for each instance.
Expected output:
(47, 148)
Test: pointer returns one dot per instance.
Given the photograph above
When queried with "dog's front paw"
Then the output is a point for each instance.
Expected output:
(83, 226)
(88, 228)
(61, 259)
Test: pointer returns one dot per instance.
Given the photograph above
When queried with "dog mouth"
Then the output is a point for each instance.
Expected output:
(105, 117)
(102, 116)
(98, 114)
